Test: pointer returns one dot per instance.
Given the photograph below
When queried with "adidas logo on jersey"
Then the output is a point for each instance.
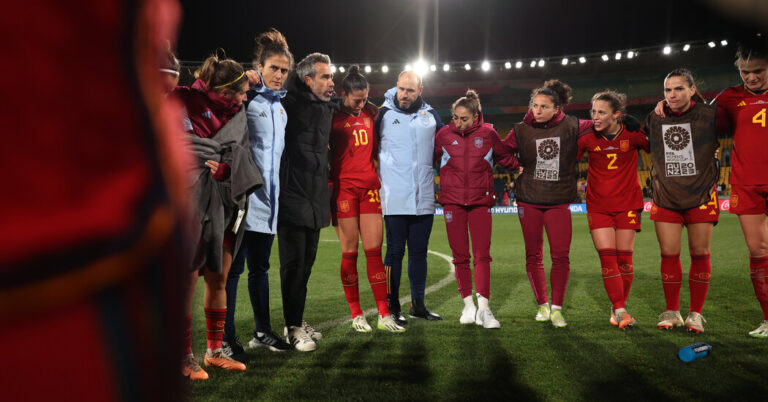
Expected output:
(263, 114)
(346, 125)
(742, 103)
(597, 148)
(396, 121)
(207, 114)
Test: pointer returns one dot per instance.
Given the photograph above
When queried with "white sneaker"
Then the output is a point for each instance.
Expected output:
(388, 324)
(468, 314)
(670, 319)
(311, 331)
(543, 313)
(761, 331)
(359, 324)
(557, 319)
(693, 323)
(486, 319)
(299, 338)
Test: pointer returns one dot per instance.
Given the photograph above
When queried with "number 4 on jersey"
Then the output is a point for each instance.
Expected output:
(759, 118)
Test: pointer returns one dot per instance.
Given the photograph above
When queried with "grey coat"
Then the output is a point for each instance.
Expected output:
(221, 204)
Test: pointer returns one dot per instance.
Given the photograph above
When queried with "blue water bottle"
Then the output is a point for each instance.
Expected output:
(694, 352)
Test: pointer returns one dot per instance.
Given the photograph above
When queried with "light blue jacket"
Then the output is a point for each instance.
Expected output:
(266, 131)
(406, 157)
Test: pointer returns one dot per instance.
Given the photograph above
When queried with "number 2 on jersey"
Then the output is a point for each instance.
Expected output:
(361, 137)
(612, 158)
(759, 118)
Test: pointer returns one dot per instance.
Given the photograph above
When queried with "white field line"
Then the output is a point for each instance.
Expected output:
(450, 278)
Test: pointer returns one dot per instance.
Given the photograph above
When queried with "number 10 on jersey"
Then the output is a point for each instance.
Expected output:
(361, 137)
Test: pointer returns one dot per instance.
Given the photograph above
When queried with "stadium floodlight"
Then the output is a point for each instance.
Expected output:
(605, 57)
(667, 49)
(582, 59)
(333, 69)
(367, 69)
(408, 67)
(533, 63)
(519, 64)
(486, 65)
(711, 44)
(432, 67)
(617, 56)
(723, 42)
(384, 69)
(687, 47)
(421, 67)
(564, 61)
(507, 65)
(341, 69)
(446, 67)
(630, 54)
(467, 67)
(541, 63)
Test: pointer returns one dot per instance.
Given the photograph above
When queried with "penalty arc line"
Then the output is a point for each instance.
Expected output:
(403, 300)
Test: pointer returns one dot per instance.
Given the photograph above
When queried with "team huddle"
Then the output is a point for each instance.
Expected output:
(274, 152)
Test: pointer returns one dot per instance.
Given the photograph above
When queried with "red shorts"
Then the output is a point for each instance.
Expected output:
(749, 200)
(618, 220)
(351, 201)
(707, 212)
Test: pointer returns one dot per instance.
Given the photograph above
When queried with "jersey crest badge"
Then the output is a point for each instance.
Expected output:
(624, 145)
(344, 206)
(478, 142)
(367, 122)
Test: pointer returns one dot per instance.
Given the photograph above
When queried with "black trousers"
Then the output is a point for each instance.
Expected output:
(297, 246)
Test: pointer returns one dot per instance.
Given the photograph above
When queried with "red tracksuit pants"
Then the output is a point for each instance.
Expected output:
(478, 220)
(557, 221)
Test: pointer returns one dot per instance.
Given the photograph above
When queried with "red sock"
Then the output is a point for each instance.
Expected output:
(612, 277)
(349, 281)
(758, 271)
(627, 269)
(214, 325)
(698, 280)
(671, 279)
(377, 278)
(188, 335)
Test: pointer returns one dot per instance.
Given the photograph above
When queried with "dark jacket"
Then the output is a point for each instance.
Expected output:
(221, 202)
(304, 195)
(466, 163)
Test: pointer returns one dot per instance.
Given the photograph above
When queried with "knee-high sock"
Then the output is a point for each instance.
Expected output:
(377, 278)
(612, 277)
(214, 325)
(758, 272)
(671, 279)
(698, 280)
(349, 281)
(627, 269)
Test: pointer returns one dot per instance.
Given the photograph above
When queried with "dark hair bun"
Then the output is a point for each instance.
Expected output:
(562, 90)
(354, 69)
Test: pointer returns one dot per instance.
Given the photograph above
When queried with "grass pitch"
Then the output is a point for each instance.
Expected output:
(525, 359)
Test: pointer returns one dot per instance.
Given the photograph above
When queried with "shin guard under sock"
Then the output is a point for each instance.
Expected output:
(671, 279)
(349, 282)
(611, 277)
(698, 280)
(377, 278)
(627, 269)
(214, 325)
(758, 272)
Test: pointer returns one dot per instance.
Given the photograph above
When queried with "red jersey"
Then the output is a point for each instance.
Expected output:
(746, 111)
(612, 175)
(353, 144)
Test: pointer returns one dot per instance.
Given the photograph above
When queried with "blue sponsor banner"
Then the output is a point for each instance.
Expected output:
(512, 210)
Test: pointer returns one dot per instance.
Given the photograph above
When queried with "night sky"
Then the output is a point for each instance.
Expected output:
(394, 31)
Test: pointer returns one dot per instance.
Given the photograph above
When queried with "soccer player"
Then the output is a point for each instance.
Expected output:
(746, 106)
(266, 130)
(467, 149)
(546, 142)
(684, 174)
(614, 199)
(355, 200)
(221, 182)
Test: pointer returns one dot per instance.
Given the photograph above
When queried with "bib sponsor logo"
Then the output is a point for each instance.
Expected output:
(624, 145)
(547, 159)
(678, 150)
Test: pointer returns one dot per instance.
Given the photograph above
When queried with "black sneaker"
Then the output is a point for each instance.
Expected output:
(419, 310)
(232, 347)
(394, 309)
(269, 340)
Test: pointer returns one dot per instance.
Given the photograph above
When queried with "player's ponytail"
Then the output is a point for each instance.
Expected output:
(470, 101)
(354, 81)
(221, 74)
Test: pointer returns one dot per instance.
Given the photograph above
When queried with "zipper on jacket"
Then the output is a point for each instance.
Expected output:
(466, 169)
